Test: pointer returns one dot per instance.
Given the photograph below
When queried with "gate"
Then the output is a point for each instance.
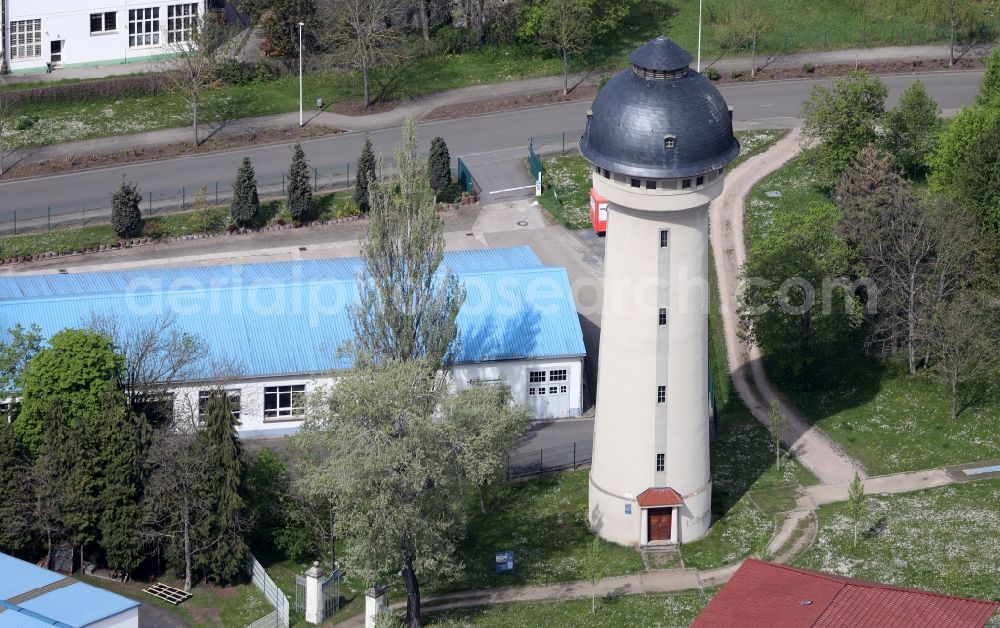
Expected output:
(331, 594)
(467, 181)
(534, 161)
(300, 593)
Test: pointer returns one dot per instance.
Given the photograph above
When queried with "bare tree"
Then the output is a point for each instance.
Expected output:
(963, 339)
(956, 15)
(742, 27)
(198, 51)
(776, 424)
(566, 26)
(360, 34)
(157, 353)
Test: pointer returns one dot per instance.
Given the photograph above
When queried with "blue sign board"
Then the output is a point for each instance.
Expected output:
(628, 509)
(504, 562)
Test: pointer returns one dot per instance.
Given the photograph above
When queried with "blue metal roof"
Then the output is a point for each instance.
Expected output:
(293, 320)
(159, 279)
(77, 604)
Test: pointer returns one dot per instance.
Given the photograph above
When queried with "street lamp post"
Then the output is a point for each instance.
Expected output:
(301, 119)
(700, 3)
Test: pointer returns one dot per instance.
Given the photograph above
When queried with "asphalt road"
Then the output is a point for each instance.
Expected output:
(498, 138)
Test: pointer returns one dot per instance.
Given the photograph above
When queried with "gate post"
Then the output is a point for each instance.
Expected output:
(314, 594)
(376, 603)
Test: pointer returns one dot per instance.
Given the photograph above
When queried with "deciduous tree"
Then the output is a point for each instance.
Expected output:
(15, 492)
(777, 422)
(856, 504)
(960, 17)
(842, 121)
(407, 303)
(566, 27)
(742, 27)
(911, 130)
(361, 34)
(795, 305)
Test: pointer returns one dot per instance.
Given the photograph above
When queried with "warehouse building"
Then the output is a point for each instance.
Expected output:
(32, 597)
(282, 325)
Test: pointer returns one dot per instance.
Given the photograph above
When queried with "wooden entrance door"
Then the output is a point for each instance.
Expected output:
(659, 524)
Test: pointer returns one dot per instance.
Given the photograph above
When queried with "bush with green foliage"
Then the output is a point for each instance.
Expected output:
(236, 72)
(911, 130)
(808, 68)
(299, 187)
(712, 73)
(842, 121)
(365, 177)
(245, 207)
(439, 164)
(126, 219)
(451, 193)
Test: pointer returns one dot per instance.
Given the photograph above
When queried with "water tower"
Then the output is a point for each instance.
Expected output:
(659, 136)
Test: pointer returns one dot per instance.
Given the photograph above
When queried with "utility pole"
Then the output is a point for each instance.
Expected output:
(301, 119)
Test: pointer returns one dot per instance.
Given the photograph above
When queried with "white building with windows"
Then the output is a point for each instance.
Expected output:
(281, 324)
(43, 34)
(659, 136)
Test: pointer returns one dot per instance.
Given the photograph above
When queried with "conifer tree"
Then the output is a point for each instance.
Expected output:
(220, 531)
(299, 188)
(365, 177)
(246, 203)
(15, 494)
(439, 164)
(125, 216)
(123, 439)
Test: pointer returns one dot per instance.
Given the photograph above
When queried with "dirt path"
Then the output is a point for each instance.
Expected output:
(811, 447)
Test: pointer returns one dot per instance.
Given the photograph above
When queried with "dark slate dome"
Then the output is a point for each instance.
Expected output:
(656, 103)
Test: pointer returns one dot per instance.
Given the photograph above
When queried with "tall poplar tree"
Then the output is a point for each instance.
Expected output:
(365, 176)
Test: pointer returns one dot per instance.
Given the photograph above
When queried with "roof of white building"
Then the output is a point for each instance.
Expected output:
(31, 596)
(285, 318)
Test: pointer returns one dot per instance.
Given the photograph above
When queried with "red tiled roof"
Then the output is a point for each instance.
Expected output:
(765, 595)
(657, 497)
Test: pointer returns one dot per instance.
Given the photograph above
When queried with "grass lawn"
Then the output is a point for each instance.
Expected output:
(206, 220)
(941, 539)
(626, 610)
(567, 178)
(747, 487)
(544, 522)
(889, 420)
(230, 606)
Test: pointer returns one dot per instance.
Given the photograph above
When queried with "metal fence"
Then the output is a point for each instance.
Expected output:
(272, 593)
(158, 201)
(562, 142)
(571, 456)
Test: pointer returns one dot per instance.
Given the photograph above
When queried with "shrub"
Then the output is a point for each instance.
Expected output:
(126, 219)
(808, 68)
(439, 164)
(299, 201)
(712, 73)
(736, 74)
(142, 85)
(602, 80)
(246, 204)
(25, 122)
(451, 40)
(451, 193)
(154, 229)
(235, 72)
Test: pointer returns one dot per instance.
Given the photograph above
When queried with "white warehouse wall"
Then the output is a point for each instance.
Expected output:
(127, 619)
(69, 22)
(513, 372)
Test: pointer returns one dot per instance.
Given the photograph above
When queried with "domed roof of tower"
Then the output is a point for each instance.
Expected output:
(660, 54)
(659, 119)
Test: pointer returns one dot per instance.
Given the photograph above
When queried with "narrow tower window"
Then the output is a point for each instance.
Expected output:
(663, 316)
(650, 184)
(661, 394)
(699, 181)
(635, 183)
(669, 141)
(686, 184)
(664, 238)
(660, 461)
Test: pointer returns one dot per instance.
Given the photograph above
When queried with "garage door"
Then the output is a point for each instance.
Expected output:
(548, 393)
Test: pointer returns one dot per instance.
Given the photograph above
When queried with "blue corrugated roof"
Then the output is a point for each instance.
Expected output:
(300, 315)
(158, 279)
(18, 577)
(77, 604)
